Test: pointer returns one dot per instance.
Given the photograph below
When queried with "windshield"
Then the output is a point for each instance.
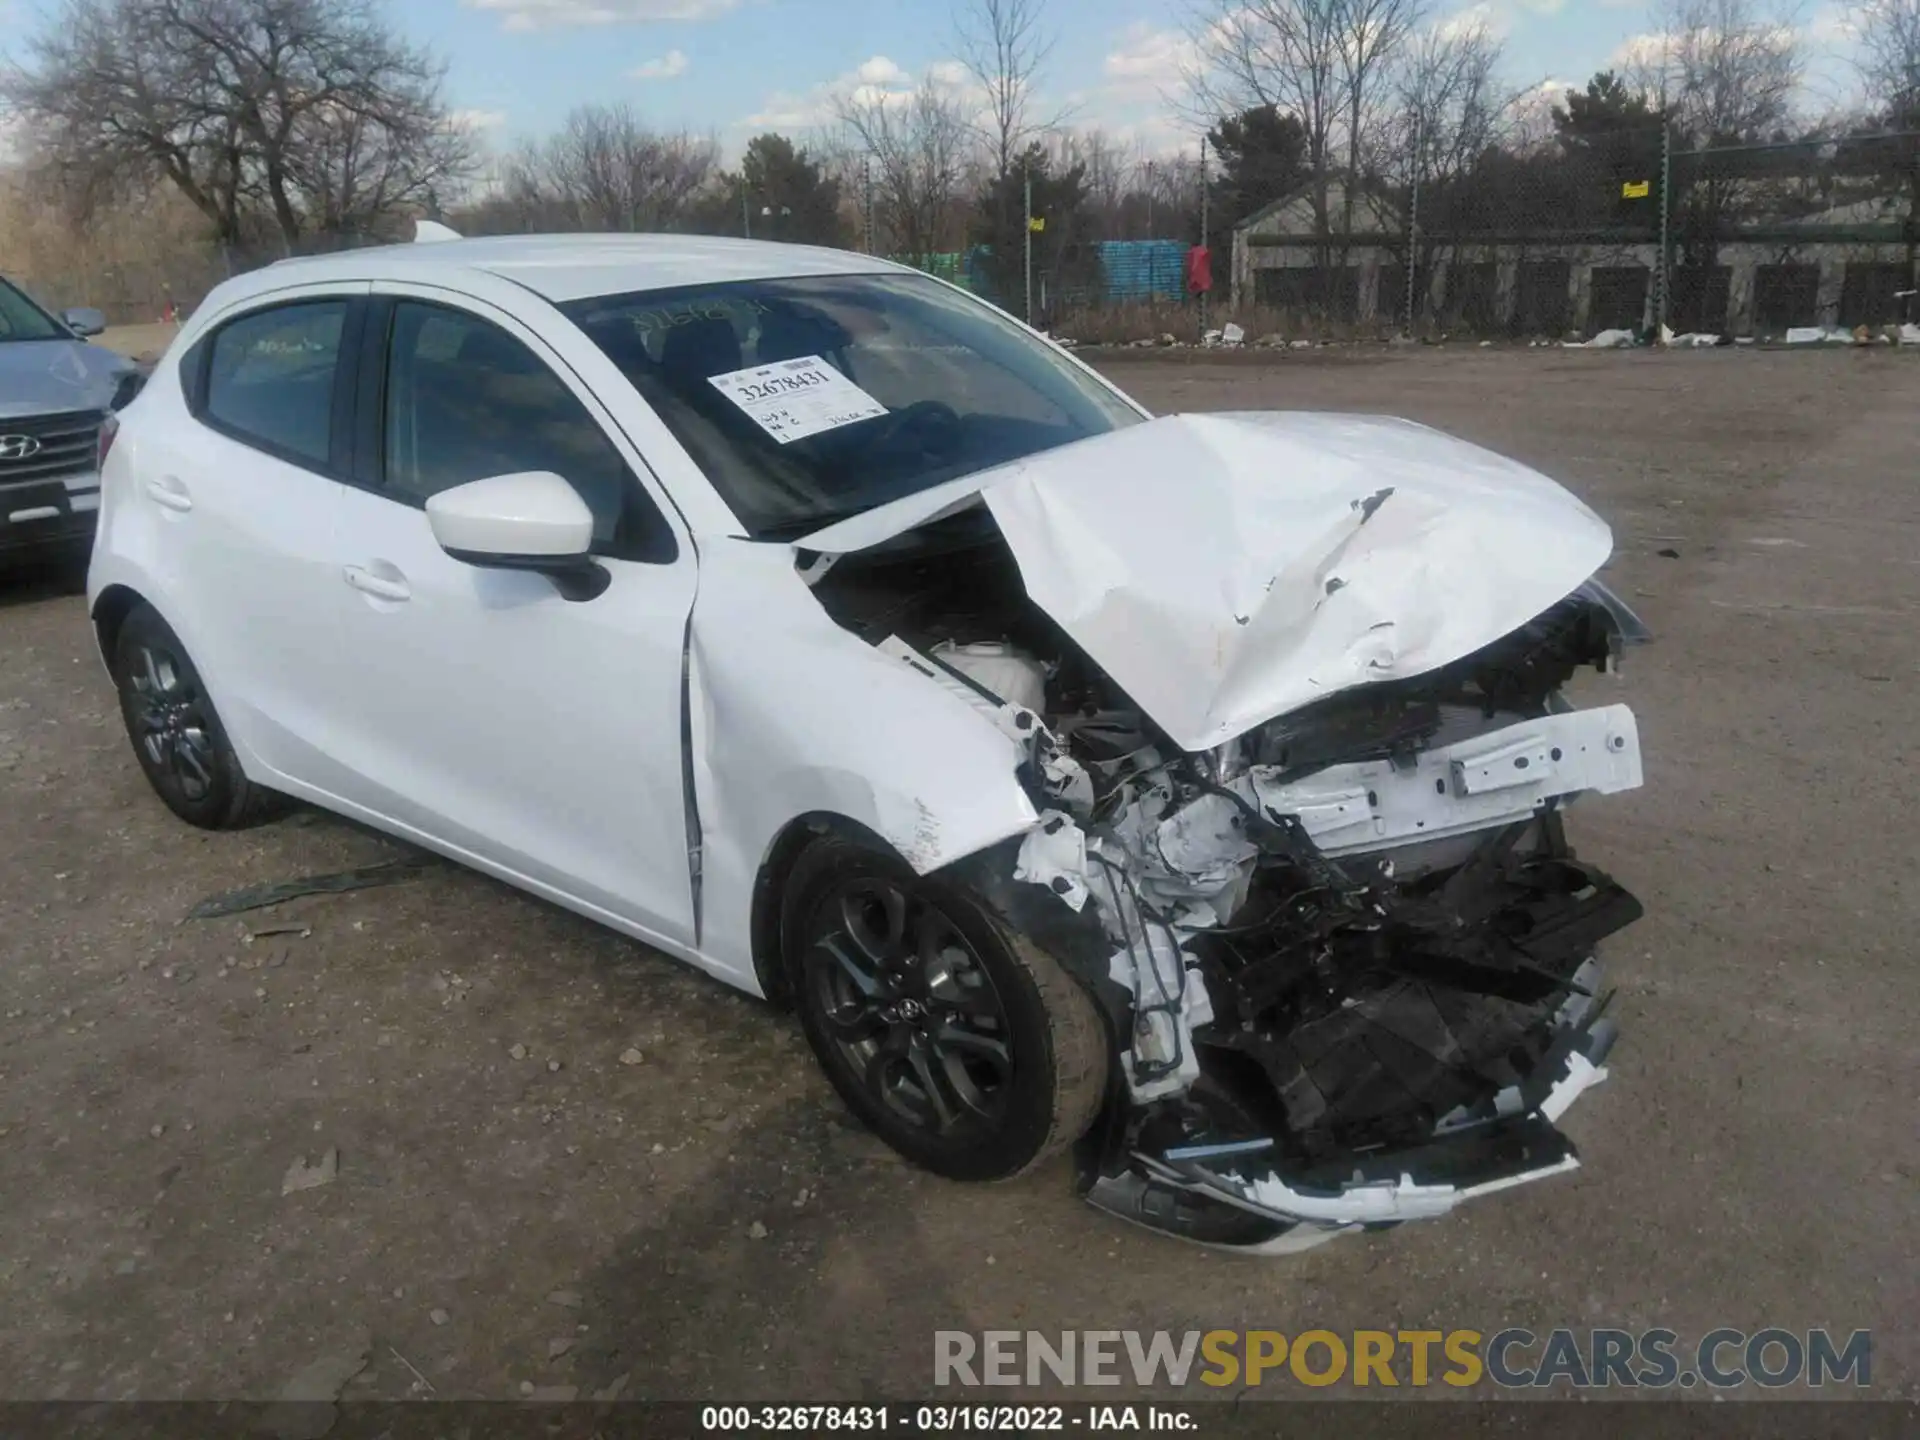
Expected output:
(808, 400)
(21, 319)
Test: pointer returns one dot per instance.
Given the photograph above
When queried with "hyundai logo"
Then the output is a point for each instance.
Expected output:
(18, 447)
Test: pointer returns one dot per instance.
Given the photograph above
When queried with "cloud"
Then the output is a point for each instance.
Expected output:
(1154, 134)
(1648, 50)
(1136, 103)
(1147, 60)
(875, 81)
(1834, 26)
(478, 120)
(787, 110)
(1534, 108)
(524, 15)
(663, 67)
(1491, 18)
(879, 72)
(1499, 18)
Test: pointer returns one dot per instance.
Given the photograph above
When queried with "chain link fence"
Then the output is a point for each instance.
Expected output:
(1610, 231)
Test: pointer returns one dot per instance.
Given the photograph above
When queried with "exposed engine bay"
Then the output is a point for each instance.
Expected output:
(1347, 956)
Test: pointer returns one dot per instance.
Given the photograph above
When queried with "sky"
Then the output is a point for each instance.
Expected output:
(733, 68)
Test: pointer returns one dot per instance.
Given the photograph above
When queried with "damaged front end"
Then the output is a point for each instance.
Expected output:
(1346, 953)
(1348, 956)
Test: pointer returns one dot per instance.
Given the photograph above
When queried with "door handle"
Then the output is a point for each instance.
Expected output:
(380, 587)
(170, 494)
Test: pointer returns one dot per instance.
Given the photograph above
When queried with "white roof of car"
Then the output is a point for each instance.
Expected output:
(573, 267)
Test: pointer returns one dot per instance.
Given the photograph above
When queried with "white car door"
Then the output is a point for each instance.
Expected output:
(244, 493)
(535, 735)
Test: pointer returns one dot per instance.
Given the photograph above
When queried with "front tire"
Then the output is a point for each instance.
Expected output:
(177, 736)
(960, 1042)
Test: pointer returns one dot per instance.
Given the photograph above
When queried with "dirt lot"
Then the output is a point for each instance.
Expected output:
(514, 1206)
(139, 342)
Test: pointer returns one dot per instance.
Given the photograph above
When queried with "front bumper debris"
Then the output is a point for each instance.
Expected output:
(1347, 959)
(1234, 1195)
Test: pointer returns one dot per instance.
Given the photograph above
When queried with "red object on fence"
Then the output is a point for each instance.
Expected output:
(1199, 270)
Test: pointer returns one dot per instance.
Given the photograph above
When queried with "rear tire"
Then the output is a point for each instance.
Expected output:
(177, 736)
(961, 1043)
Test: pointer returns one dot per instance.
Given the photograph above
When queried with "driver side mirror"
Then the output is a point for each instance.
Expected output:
(532, 520)
(83, 321)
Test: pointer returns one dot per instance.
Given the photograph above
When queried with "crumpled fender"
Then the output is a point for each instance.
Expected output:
(791, 716)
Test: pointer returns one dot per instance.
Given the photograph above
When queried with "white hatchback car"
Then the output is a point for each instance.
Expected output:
(1190, 788)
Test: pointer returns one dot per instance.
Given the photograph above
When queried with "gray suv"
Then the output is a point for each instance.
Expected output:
(55, 391)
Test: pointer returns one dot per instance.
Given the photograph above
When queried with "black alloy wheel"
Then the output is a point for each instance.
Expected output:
(910, 1007)
(170, 720)
(176, 732)
(961, 1043)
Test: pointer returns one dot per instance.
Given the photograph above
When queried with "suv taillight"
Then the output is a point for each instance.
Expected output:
(109, 428)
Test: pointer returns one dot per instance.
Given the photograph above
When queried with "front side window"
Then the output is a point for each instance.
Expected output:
(270, 377)
(21, 319)
(466, 401)
(808, 400)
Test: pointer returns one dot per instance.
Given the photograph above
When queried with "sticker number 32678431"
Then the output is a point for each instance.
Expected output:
(793, 399)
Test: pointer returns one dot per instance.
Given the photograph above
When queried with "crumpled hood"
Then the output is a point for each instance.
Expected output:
(48, 377)
(1225, 569)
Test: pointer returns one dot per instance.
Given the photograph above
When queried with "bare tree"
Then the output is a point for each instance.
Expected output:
(606, 170)
(1726, 71)
(1105, 175)
(291, 116)
(1889, 59)
(916, 145)
(1003, 45)
(1283, 53)
(1170, 187)
(1327, 62)
(1368, 37)
(354, 171)
(1452, 109)
(1451, 104)
(1889, 32)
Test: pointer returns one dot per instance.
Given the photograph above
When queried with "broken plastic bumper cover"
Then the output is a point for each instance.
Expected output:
(1235, 1194)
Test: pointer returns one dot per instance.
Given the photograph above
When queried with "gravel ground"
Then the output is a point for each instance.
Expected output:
(520, 1201)
(139, 342)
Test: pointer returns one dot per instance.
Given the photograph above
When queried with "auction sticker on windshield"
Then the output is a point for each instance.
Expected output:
(793, 399)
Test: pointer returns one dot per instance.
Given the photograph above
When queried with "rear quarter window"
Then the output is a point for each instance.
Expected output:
(269, 378)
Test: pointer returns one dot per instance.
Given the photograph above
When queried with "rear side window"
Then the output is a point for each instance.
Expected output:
(270, 378)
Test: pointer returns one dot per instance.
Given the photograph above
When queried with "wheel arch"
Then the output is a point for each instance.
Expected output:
(110, 610)
(770, 884)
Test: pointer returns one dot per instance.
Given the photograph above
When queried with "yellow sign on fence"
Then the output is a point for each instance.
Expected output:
(1636, 189)
(1037, 224)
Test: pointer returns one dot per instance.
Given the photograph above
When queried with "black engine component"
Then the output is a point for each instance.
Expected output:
(1374, 1009)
